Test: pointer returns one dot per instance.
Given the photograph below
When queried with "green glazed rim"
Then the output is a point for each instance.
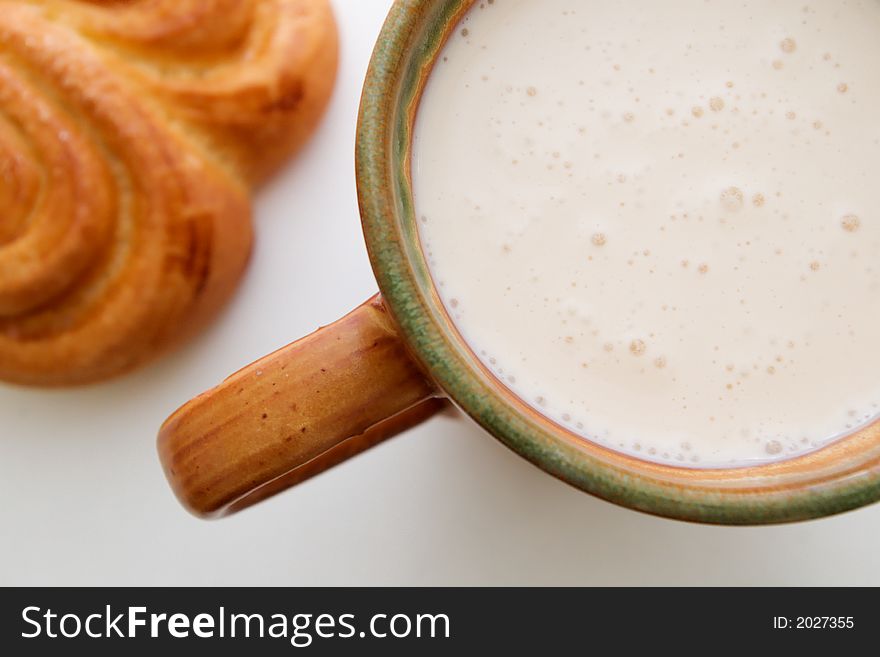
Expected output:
(839, 477)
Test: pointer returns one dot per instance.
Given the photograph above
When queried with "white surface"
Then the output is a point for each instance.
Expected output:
(85, 502)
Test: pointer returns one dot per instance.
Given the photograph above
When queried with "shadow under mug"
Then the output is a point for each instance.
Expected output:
(391, 362)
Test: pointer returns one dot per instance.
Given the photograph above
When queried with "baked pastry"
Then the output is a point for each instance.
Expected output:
(131, 134)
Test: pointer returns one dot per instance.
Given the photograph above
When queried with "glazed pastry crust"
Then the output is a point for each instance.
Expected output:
(131, 134)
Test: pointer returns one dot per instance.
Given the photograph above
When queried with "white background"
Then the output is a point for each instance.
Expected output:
(83, 500)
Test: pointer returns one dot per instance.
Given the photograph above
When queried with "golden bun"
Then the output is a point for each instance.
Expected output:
(131, 134)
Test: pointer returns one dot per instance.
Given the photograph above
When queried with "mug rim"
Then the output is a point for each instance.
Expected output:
(840, 476)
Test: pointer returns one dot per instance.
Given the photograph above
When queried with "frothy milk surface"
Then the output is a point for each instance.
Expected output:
(659, 222)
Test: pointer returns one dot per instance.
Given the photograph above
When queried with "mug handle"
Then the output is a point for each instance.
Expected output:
(293, 414)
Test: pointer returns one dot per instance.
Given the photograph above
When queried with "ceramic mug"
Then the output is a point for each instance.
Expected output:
(390, 364)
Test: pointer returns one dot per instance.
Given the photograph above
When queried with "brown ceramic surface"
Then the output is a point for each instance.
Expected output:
(221, 453)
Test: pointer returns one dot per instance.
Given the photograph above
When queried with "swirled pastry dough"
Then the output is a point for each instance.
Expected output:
(131, 134)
